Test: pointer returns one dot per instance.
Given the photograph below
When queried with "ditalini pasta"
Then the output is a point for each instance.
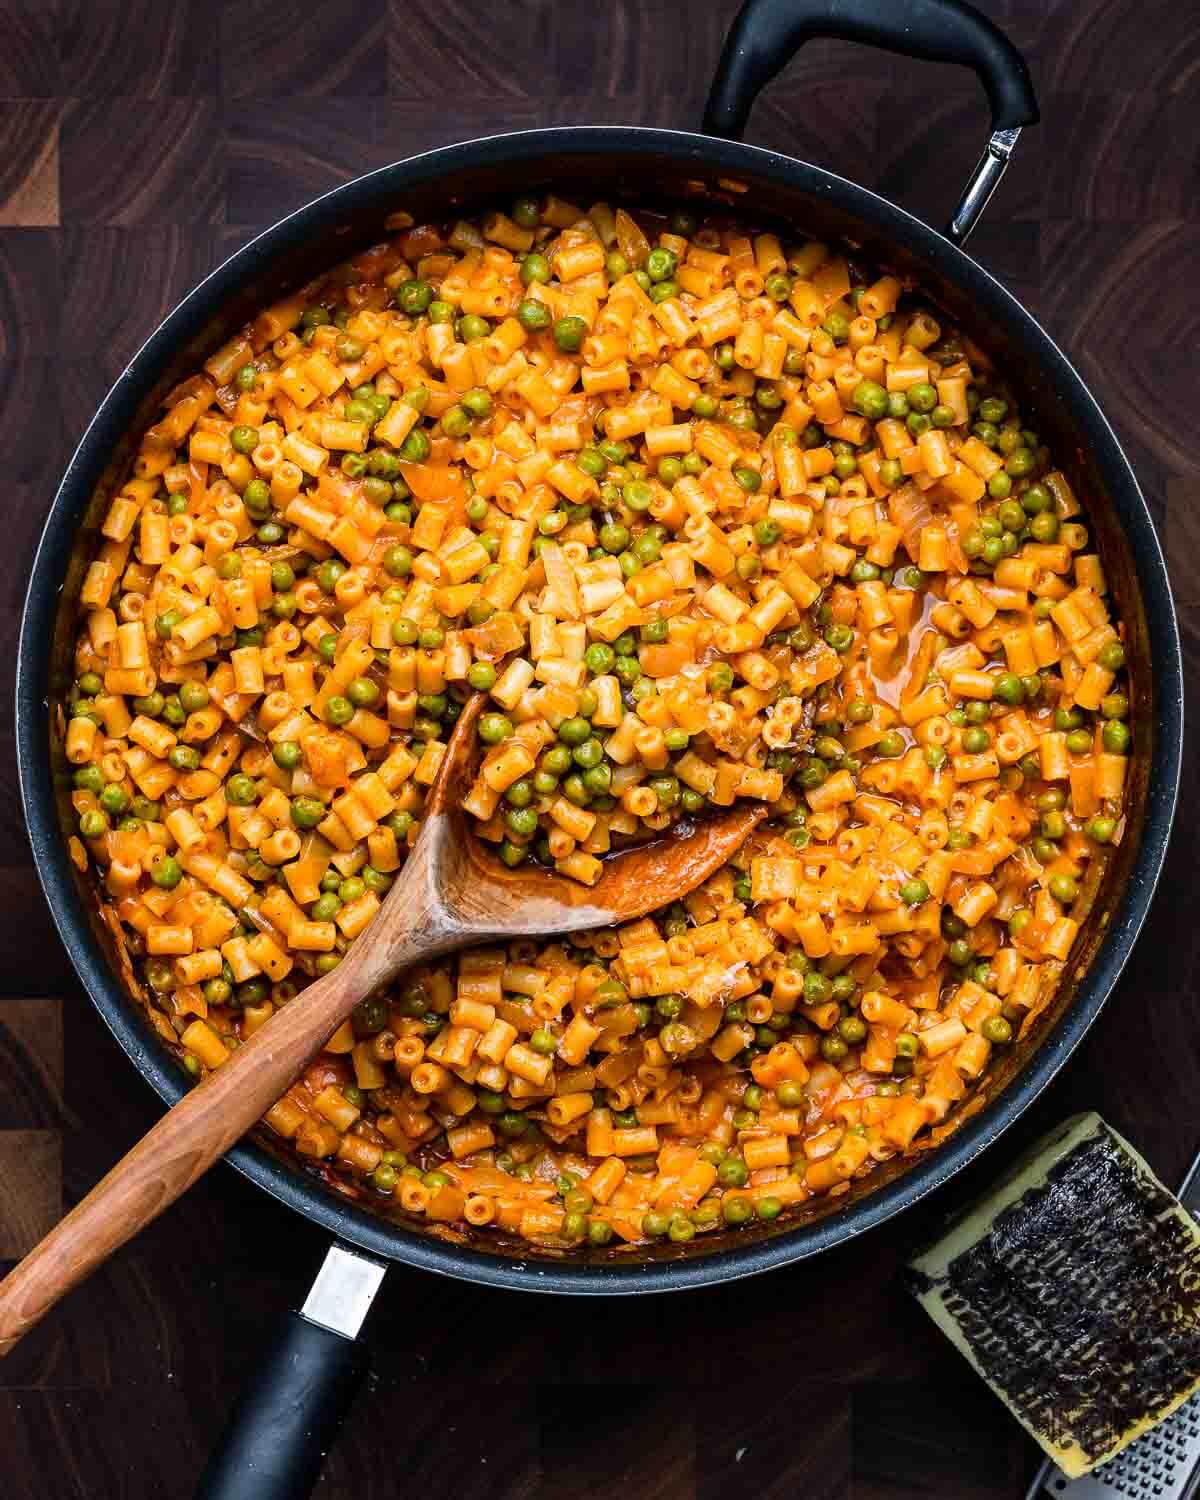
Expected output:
(707, 515)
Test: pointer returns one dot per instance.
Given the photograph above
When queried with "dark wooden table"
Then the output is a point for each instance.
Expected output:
(141, 141)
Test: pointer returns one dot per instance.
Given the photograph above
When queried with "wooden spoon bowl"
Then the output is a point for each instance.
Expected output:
(452, 893)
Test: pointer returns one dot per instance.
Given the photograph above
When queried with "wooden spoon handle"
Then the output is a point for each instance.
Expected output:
(200, 1128)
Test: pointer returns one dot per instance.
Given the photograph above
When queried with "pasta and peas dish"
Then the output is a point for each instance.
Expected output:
(706, 515)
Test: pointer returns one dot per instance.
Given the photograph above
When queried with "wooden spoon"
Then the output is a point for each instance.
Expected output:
(452, 893)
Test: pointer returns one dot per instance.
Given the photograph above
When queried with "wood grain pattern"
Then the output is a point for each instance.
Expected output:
(29, 162)
(176, 143)
(174, 55)
(197, 122)
(30, 1188)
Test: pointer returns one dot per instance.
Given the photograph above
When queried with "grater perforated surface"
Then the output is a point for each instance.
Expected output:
(1164, 1463)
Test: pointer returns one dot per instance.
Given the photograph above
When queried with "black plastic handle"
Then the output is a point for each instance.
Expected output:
(767, 34)
(287, 1416)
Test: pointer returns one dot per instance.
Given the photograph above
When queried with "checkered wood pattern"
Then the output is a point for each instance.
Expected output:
(141, 141)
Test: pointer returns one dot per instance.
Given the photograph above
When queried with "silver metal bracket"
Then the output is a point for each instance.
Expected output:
(983, 182)
(343, 1292)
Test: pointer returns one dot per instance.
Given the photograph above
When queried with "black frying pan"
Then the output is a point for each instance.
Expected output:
(628, 164)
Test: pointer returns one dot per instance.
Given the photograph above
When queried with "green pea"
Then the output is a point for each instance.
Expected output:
(401, 824)
(599, 1233)
(574, 731)
(1116, 737)
(493, 728)
(193, 696)
(455, 422)
(1053, 825)
(183, 758)
(1101, 830)
(1064, 889)
(241, 790)
(907, 1045)
(1114, 706)
(670, 470)
(1079, 741)
(481, 675)
(1111, 656)
(890, 473)
(1011, 516)
(993, 409)
(165, 623)
(414, 297)
(171, 707)
(1008, 688)
(557, 760)
(114, 799)
(1020, 463)
(415, 447)
(1044, 527)
(1036, 500)
(914, 892)
(870, 400)
(614, 538)
(589, 754)
(599, 658)
(522, 821)
(535, 267)
(431, 637)
(661, 264)
(307, 812)
(891, 744)
(733, 1173)
(339, 710)
(897, 405)
(362, 692)
(852, 1030)
(328, 575)
(996, 1030)
(244, 439)
(840, 637)
(736, 1209)
(533, 316)
(325, 907)
(167, 873)
(476, 402)
(569, 334)
(637, 495)
(976, 740)
(359, 411)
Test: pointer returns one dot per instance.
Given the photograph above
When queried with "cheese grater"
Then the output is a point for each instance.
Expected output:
(1164, 1463)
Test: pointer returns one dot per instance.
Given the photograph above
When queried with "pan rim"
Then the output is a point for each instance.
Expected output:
(288, 1185)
